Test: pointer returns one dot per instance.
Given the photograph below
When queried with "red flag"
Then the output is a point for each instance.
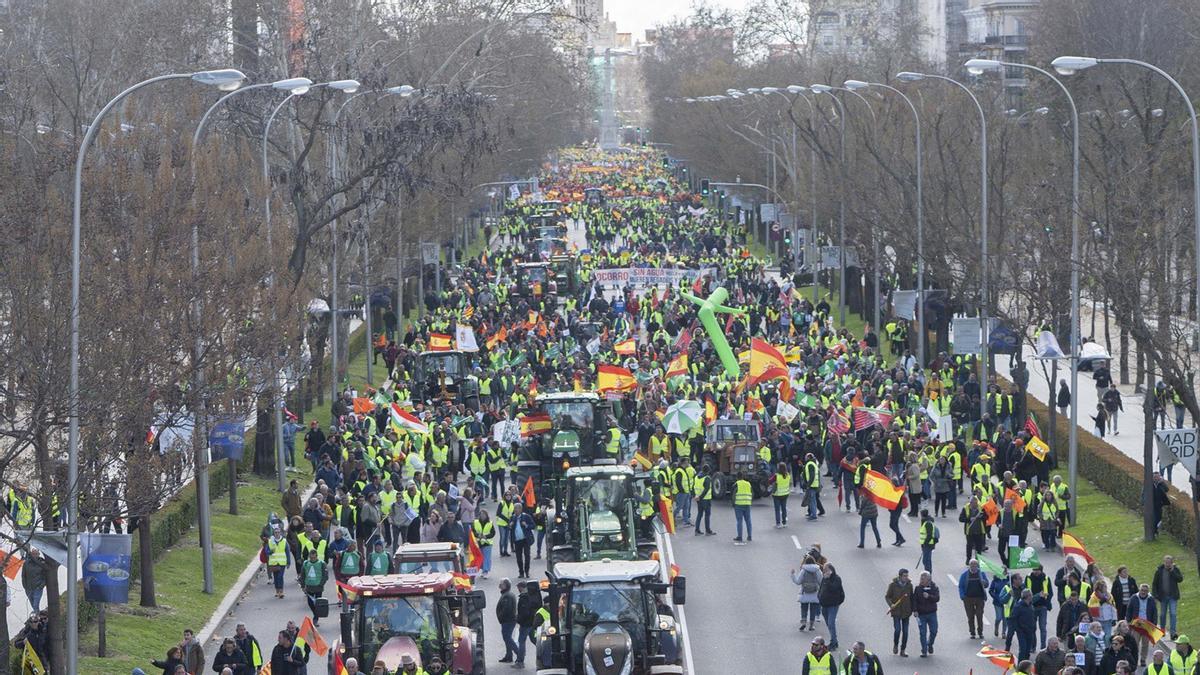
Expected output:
(684, 341)
(12, 565)
(664, 512)
(1031, 426)
(339, 668)
(528, 493)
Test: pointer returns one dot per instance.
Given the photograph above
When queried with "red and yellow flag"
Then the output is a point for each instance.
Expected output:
(440, 342)
(1148, 630)
(474, 552)
(666, 514)
(626, 347)
(881, 490)
(999, 657)
(766, 362)
(532, 425)
(710, 410)
(339, 667)
(1072, 544)
(678, 366)
(614, 378)
(497, 337)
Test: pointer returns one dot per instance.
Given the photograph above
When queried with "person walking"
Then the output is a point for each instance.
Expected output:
(743, 497)
(33, 578)
(1022, 624)
(249, 646)
(972, 590)
(315, 573)
(899, 600)
(819, 660)
(1000, 591)
(288, 658)
(894, 518)
(231, 658)
(1112, 406)
(975, 527)
(1100, 419)
(925, 599)
(831, 596)
(1141, 606)
(812, 486)
(506, 614)
(522, 536)
(1165, 588)
(928, 537)
(530, 613)
(1063, 400)
(781, 487)
(702, 488)
(1043, 598)
(279, 558)
(1052, 659)
(861, 662)
(808, 578)
(868, 512)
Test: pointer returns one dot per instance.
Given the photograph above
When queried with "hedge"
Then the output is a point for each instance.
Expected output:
(1116, 474)
(170, 523)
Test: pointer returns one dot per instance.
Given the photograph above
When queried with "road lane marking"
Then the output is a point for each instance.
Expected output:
(681, 615)
(796, 541)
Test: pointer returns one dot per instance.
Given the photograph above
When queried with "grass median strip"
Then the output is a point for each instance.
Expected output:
(136, 635)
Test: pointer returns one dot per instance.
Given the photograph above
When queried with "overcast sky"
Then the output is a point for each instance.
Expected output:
(635, 16)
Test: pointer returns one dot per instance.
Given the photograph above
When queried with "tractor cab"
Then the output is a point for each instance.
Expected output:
(388, 616)
(445, 375)
(609, 616)
(730, 448)
(596, 516)
(429, 558)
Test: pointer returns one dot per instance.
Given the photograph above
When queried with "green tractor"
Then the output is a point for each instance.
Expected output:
(596, 516)
(578, 437)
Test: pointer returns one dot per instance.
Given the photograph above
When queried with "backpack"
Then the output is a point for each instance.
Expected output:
(809, 585)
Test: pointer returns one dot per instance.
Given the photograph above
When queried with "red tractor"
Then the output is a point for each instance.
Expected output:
(424, 616)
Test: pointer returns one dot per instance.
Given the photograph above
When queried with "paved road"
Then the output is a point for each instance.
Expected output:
(742, 612)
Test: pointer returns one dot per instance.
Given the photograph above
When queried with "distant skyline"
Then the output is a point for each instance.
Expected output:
(635, 16)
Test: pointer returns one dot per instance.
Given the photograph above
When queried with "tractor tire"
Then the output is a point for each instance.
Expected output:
(478, 662)
(719, 487)
(563, 554)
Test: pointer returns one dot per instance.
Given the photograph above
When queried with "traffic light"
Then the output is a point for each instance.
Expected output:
(704, 187)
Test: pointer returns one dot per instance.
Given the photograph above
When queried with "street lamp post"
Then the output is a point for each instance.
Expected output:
(225, 79)
(1069, 65)
(920, 309)
(335, 169)
(348, 87)
(978, 67)
(826, 89)
(199, 406)
(983, 226)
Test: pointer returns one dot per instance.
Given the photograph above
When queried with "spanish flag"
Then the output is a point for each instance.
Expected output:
(766, 362)
(678, 366)
(532, 425)
(339, 667)
(710, 410)
(440, 342)
(497, 337)
(614, 378)
(626, 347)
(474, 552)
(666, 514)
(881, 491)
(1148, 630)
(1072, 544)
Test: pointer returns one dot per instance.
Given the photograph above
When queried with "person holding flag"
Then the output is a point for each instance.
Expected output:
(1141, 611)
(483, 531)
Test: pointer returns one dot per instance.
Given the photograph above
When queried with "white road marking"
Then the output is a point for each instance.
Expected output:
(986, 621)
(681, 615)
(796, 541)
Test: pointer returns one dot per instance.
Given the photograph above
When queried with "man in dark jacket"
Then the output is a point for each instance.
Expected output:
(924, 602)
(1022, 622)
(1166, 591)
(1043, 598)
(860, 656)
(529, 616)
(1052, 659)
(229, 656)
(1082, 653)
(899, 599)
(523, 530)
(249, 646)
(1141, 606)
(287, 658)
(506, 614)
(1068, 615)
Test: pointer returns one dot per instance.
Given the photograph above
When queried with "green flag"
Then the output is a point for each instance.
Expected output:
(827, 367)
(989, 566)
(1022, 558)
(806, 400)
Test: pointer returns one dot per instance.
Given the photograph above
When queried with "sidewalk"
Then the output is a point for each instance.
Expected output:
(1130, 425)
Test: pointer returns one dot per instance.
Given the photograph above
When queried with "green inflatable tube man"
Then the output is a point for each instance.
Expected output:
(708, 309)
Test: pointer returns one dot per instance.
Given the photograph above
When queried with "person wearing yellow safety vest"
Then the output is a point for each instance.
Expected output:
(702, 488)
(613, 445)
(781, 487)
(279, 557)
(1158, 664)
(496, 465)
(249, 646)
(504, 514)
(743, 497)
(485, 533)
(860, 661)
(682, 478)
(818, 661)
(812, 486)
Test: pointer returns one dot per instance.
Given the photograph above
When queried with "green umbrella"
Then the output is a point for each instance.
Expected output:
(682, 417)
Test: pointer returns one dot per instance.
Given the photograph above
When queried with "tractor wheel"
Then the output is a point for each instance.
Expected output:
(719, 488)
(476, 623)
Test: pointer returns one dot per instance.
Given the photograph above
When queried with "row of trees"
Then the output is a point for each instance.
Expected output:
(497, 93)
(1137, 254)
